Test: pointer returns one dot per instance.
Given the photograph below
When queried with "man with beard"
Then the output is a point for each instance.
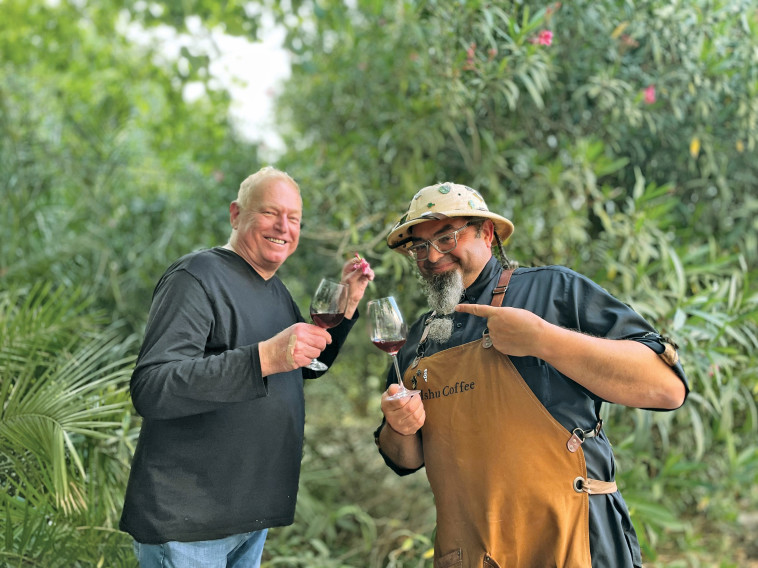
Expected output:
(513, 366)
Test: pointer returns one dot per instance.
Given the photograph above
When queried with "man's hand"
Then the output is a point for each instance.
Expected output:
(292, 348)
(513, 331)
(404, 415)
(400, 439)
(356, 274)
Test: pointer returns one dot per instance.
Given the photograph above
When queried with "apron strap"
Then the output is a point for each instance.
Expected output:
(498, 294)
(502, 285)
(593, 486)
(427, 324)
(422, 341)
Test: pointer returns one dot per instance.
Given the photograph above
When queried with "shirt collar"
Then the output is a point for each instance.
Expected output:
(490, 271)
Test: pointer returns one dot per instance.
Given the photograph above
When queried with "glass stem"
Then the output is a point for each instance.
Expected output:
(397, 370)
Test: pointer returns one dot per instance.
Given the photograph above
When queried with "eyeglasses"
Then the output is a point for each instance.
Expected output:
(442, 244)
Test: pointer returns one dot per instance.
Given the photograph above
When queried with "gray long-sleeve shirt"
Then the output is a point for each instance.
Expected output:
(220, 446)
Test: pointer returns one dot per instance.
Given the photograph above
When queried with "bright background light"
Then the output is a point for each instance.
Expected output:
(250, 71)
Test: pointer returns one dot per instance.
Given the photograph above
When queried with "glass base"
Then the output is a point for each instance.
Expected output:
(316, 365)
(402, 393)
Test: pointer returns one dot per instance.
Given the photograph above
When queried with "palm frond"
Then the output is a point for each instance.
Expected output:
(52, 406)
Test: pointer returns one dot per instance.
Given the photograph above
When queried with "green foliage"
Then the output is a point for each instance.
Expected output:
(623, 147)
(64, 428)
(350, 512)
(107, 173)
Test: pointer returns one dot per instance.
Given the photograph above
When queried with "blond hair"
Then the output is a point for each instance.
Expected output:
(252, 183)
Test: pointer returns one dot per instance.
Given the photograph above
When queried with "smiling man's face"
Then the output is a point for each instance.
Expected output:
(470, 255)
(268, 233)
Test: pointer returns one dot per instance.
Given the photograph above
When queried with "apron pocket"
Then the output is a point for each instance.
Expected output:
(450, 560)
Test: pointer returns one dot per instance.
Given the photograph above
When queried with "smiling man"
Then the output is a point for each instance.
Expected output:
(219, 384)
(512, 368)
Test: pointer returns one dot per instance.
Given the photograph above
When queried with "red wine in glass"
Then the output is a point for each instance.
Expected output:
(327, 320)
(390, 347)
(388, 332)
(327, 310)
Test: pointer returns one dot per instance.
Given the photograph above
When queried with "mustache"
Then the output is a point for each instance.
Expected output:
(427, 264)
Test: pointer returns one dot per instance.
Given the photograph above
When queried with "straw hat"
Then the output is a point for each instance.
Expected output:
(442, 201)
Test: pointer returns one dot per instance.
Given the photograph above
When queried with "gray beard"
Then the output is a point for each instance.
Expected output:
(440, 329)
(443, 292)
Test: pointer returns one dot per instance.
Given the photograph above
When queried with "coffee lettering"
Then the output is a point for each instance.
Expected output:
(428, 394)
(458, 387)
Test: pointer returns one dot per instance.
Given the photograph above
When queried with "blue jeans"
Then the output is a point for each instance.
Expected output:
(236, 551)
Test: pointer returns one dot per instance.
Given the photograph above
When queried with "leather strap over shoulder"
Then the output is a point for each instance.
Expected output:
(502, 285)
(498, 294)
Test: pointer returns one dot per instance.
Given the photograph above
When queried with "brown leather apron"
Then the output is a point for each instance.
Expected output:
(502, 469)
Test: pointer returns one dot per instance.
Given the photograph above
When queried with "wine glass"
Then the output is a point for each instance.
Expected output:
(388, 332)
(327, 310)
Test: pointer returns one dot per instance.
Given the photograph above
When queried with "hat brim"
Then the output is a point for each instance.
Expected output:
(400, 237)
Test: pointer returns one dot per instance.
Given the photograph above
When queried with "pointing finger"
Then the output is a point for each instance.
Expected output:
(476, 309)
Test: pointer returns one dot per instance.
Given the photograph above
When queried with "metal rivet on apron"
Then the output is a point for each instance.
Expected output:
(579, 484)
(576, 440)
(486, 339)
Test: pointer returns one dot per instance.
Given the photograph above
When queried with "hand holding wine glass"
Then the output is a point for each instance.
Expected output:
(327, 310)
(388, 332)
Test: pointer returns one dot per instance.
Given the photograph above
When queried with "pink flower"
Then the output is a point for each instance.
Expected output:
(470, 52)
(545, 37)
(629, 41)
(649, 94)
(361, 264)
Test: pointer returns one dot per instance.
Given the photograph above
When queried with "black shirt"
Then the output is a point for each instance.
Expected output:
(565, 298)
(220, 446)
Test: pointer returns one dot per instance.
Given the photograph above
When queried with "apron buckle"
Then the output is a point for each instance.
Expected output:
(576, 440)
(578, 436)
